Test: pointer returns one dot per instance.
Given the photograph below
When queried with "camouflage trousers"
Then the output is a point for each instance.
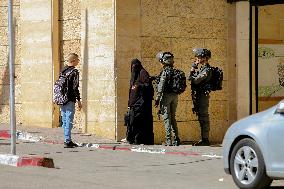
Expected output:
(168, 108)
(203, 115)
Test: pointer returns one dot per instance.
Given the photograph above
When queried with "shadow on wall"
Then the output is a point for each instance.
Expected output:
(85, 71)
(4, 80)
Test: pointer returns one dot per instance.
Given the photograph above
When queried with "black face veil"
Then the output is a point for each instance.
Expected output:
(136, 67)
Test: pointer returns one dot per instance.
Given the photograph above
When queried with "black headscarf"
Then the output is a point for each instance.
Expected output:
(136, 67)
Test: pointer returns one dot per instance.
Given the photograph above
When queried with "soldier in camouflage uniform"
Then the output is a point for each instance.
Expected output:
(200, 92)
(167, 100)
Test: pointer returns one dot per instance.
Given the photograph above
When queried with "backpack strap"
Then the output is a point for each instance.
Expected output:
(67, 72)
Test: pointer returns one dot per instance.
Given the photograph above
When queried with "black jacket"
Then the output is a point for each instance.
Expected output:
(73, 83)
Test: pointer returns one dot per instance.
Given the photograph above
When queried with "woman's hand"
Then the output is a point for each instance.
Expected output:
(134, 87)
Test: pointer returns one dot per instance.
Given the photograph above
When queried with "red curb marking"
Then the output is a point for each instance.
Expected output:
(35, 161)
(5, 134)
(123, 148)
(183, 153)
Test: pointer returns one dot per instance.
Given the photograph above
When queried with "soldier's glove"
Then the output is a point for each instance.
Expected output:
(157, 103)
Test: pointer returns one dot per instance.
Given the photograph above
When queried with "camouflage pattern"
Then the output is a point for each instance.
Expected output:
(168, 105)
(200, 97)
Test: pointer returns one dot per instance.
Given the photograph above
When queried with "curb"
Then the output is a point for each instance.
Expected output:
(17, 161)
(141, 149)
(5, 134)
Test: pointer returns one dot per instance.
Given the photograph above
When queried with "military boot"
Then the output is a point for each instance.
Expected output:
(203, 142)
(168, 142)
(176, 142)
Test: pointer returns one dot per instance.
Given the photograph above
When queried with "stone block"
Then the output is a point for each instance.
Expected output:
(128, 25)
(122, 104)
(182, 113)
(101, 111)
(123, 69)
(184, 8)
(128, 46)
(5, 90)
(189, 131)
(4, 35)
(4, 16)
(220, 9)
(182, 48)
(197, 28)
(101, 24)
(102, 129)
(218, 48)
(5, 2)
(69, 9)
(218, 110)
(152, 25)
(128, 7)
(220, 28)
(218, 129)
(36, 91)
(33, 33)
(32, 72)
(101, 90)
(158, 7)
(70, 46)
(152, 65)
(71, 29)
(152, 45)
(3, 55)
(121, 130)
(5, 72)
(101, 71)
(100, 52)
(159, 132)
(157, 26)
(5, 114)
(207, 10)
(39, 10)
(221, 94)
(40, 112)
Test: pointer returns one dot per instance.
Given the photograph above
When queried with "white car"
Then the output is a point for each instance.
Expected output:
(253, 148)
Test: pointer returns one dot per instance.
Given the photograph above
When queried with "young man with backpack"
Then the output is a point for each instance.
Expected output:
(66, 93)
(167, 95)
(200, 89)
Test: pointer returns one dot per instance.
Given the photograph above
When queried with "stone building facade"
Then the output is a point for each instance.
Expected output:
(107, 35)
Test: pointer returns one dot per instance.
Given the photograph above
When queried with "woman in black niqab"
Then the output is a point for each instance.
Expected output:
(141, 92)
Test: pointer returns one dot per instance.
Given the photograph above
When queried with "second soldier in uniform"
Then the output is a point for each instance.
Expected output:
(166, 99)
(200, 92)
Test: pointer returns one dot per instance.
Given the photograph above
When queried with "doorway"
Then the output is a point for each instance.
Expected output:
(266, 55)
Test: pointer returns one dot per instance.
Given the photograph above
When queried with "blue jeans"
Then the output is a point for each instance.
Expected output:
(67, 115)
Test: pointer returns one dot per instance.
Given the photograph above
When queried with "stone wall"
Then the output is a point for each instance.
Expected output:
(36, 62)
(98, 71)
(107, 34)
(176, 26)
(4, 64)
(70, 40)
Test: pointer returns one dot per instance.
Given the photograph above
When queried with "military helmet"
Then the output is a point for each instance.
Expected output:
(165, 57)
(202, 52)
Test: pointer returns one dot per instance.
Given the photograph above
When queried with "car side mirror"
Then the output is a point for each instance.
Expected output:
(280, 108)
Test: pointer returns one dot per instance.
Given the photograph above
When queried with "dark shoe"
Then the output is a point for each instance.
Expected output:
(176, 142)
(70, 145)
(167, 143)
(204, 142)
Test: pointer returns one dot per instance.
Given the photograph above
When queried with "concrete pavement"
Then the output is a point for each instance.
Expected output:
(114, 165)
